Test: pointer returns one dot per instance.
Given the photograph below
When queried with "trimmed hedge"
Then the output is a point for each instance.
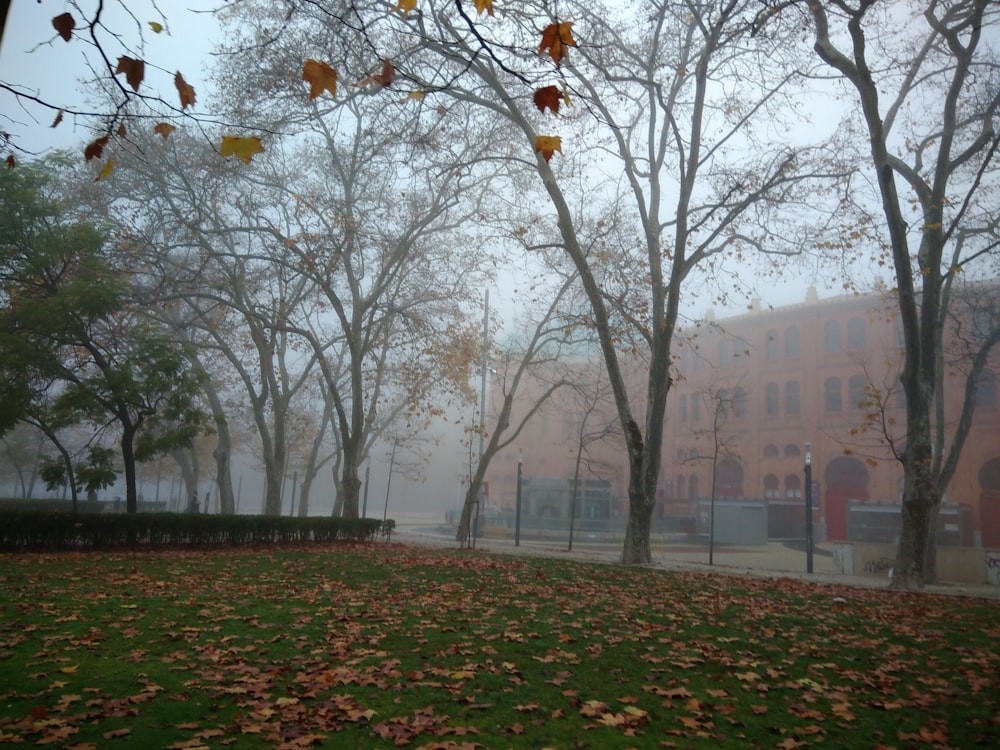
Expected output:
(22, 530)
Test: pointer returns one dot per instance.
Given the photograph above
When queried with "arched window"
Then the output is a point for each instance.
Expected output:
(856, 391)
(681, 486)
(771, 346)
(832, 398)
(695, 408)
(683, 406)
(771, 401)
(771, 487)
(855, 334)
(693, 486)
(792, 450)
(792, 397)
(793, 486)
(831, 336)
(792, 342)
(771, 450)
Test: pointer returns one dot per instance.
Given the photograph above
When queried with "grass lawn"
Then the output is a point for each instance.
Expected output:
(388, 646)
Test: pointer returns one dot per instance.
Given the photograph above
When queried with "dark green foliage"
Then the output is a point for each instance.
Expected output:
(27, 530)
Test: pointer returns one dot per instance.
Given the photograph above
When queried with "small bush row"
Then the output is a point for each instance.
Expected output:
(52, 530)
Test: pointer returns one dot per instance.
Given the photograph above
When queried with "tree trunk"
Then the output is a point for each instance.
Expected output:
(920, 498)
(128, 462)
(224, 477)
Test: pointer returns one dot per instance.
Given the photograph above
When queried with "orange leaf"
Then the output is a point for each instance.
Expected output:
(321, 77)
(556, 37)
(134, 70)
(382, 79)
(64, 25)
(95, 148)
(405, 6)
(11, 161)
(185, 90)
(164, 129)
(484, 6)
(122, 132)
(548, 145)
(549, 96)
(55, 122)
(242, 148)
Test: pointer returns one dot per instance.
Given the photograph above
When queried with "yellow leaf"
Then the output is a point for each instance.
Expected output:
(484, 6)
(69, 670)
(242, 148)
(163, 129)
(547, 145)
(413, 96)
(556, 37)
(156, 27)
(321, 77)
(105, 171)
(185, 91)
(405, 6)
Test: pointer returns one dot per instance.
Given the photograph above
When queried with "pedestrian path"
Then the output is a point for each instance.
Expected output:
(771, 560)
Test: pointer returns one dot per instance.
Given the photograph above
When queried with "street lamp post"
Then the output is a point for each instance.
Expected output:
(809, 512)
(517, 509)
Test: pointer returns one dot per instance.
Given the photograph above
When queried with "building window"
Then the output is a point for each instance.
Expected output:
(792, 450)
(793, 486)
(831, 336)
(771, 486)
(771, 346)
(695, 408)
(986, 388)
(856, 391)
(792, 342)
(725, 354)
(771, 400)
(739, 402)
(684, 408)
(681, 485)
(693, 486)
(771, 450)
(832, 398)
(792, 397)
(855, 334)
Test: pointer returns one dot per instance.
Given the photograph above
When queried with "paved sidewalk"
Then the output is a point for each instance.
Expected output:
(771, 560)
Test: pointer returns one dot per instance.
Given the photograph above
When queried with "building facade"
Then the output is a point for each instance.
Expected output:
(750, 392)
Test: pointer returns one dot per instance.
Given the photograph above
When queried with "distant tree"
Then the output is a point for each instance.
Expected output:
(67, 315)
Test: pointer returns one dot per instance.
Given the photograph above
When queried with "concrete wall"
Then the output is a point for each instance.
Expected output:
(955, 564)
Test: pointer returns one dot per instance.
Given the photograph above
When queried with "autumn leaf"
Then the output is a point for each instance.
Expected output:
(556, 37)
(405, 6)
(412, 96)
(547, 145)
(382, 79)
(134, 70)
(548, 96)
(122, 131)
(59, 119)
(185, 91)
(11, 161)
(321, 77)
(243, 148)
(64, 25)
(164, 129)
(156, 27)
(95, 148)
(484, 6)
(105, 171)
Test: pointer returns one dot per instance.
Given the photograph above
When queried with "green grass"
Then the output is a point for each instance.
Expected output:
(386, 646)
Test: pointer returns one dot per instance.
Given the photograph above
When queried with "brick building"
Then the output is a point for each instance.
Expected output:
(824, 371)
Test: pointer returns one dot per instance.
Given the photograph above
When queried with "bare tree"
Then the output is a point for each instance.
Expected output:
(925, 77)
